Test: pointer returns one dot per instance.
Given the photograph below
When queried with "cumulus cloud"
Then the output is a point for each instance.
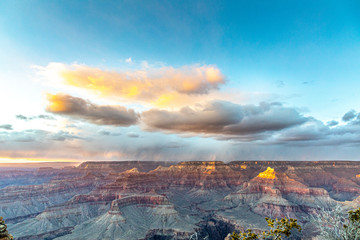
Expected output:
(332, 123)
(6, 126)
(128, 60)
(108, 133)
(311, 130)
(92, 146)
(218, 118)
(28, 118)
(36, 135)
(21, 117)
(62, 136)
(265, 123)
(38, 143)
(82, 109)
(316, 133)
(133, 135)
(349, 116)
(311, 140)
(160, 86)
(224, 118)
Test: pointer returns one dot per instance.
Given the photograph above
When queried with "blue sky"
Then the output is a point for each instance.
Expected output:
(304, 55)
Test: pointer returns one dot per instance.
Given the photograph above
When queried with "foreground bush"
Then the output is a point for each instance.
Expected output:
(4, 235)
(278, 229)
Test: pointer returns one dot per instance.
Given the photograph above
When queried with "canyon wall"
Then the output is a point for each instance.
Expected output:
(165, 200)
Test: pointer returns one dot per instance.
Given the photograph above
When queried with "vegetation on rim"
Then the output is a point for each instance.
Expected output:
(278, 229)
(4, 235)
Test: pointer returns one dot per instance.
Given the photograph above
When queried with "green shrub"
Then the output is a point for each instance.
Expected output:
(278, 229)
(4, 235)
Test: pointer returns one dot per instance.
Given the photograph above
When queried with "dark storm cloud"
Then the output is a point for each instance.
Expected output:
(6, 126)
(81, 109)
(224, 118)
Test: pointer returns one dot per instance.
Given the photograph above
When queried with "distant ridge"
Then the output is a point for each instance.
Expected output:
(120, 166)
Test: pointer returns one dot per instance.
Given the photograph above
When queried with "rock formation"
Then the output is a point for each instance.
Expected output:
(155, 200)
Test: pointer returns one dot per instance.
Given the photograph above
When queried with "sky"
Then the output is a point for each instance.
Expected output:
(179, 80)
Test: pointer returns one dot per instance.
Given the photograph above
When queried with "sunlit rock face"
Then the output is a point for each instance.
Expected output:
(269, 173)
(206, 175)
(274, 194)
(161, 200)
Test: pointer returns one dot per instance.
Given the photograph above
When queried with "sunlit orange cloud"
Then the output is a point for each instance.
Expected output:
(165, 86)
(56, 104)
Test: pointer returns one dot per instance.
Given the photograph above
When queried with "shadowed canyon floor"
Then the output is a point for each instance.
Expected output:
(164, 200)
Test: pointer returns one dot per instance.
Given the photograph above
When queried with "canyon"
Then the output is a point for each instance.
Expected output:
(169, 200)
